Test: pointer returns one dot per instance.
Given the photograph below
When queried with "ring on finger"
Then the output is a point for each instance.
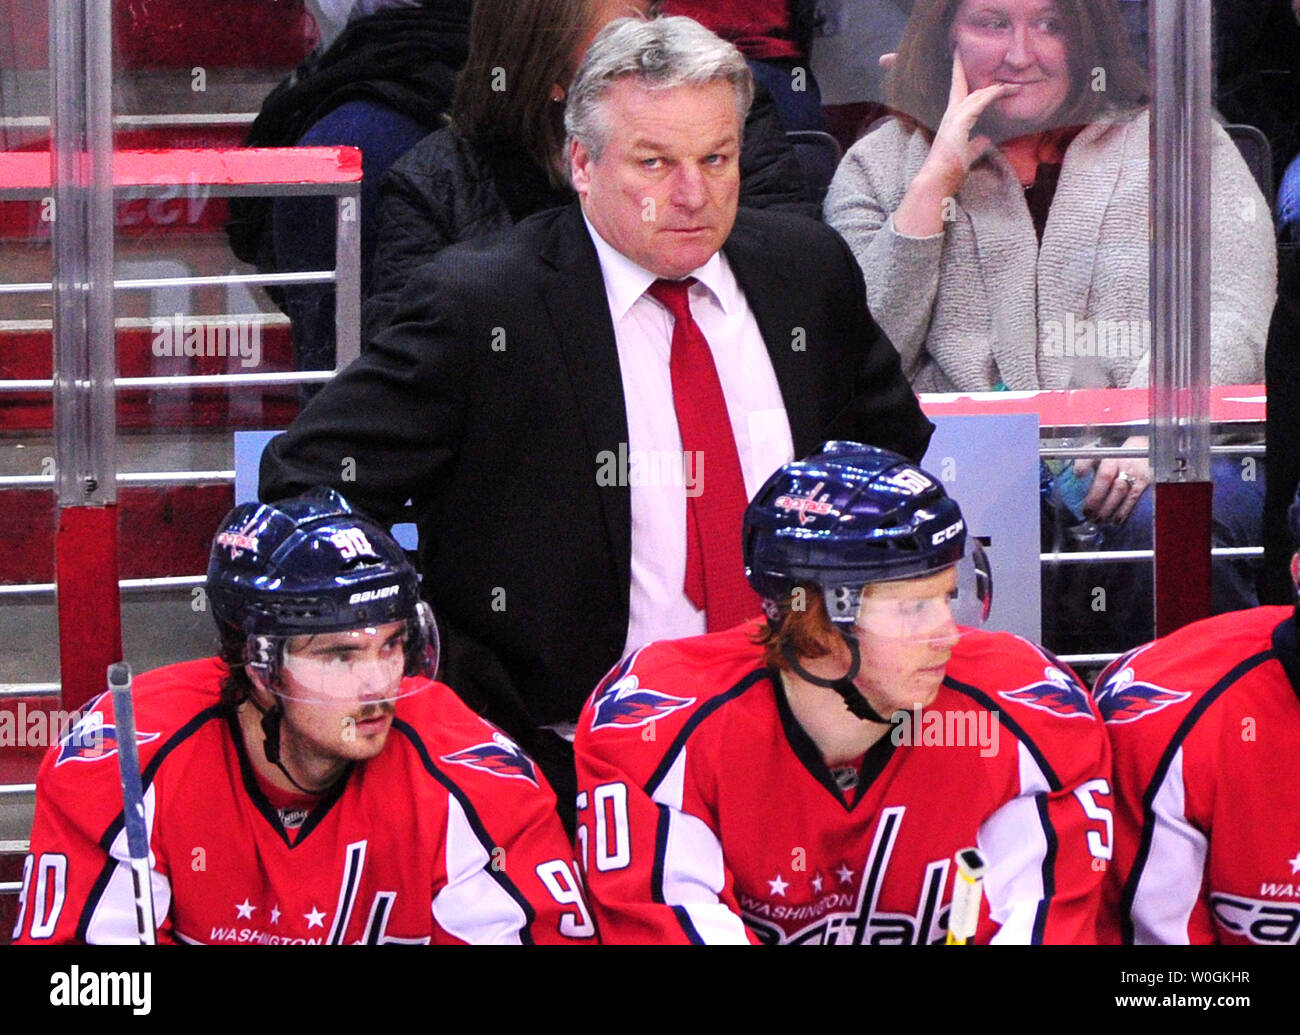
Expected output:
(1126, 478)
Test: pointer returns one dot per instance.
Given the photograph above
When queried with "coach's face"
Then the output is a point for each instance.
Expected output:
(665, 188)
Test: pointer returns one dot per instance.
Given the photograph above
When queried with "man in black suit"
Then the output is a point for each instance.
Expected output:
(522, 399)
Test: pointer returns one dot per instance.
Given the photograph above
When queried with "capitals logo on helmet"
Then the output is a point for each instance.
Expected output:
(847, 516)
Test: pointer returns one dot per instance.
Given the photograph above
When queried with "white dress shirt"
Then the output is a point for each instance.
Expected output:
(652, 464)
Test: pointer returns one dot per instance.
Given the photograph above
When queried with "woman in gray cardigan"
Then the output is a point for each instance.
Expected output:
(1008, 247)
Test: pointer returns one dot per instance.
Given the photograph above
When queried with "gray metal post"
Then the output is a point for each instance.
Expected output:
(347, 281)
(1180, 245)
(81, 84)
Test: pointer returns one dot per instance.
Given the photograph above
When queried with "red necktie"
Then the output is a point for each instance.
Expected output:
(715, 571)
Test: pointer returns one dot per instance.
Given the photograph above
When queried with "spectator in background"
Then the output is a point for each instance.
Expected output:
(851, 38)
(503, 158)
(384, 83)
(774, 36)
(1009, 208)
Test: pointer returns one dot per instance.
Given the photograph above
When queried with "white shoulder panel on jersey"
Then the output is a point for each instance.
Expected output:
(692, 865)
(1170, 884)
(113, 920)
(1015, 845)
(473, 906)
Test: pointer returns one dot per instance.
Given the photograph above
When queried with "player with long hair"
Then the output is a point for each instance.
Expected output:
(313, 784)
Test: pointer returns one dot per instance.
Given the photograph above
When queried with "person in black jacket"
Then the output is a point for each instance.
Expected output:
(503, 156)
(510, 398)
(384, 83)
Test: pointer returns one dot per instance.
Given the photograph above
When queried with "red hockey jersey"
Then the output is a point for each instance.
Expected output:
(707, 814)
(449, 835)
(1205, 726)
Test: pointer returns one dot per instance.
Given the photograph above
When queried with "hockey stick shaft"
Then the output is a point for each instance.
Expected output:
(128, 766)
(967, 894)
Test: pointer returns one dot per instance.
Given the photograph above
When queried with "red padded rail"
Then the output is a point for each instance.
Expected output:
(30, 170)
(29, 220)
(147, 158)
(1093, 407)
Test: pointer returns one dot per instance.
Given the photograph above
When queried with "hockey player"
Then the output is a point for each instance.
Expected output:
(312, 785)
(1205, 727)
(808, 778)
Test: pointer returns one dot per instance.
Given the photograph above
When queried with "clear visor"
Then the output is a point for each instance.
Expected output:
(356, 666)
(936, 608)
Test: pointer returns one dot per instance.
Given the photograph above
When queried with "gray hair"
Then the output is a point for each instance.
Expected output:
(659, 54)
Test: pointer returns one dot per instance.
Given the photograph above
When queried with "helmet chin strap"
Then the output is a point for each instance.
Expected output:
(271, 719)
(853, 698)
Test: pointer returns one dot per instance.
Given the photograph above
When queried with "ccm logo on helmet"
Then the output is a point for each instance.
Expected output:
(374, 594)
(947, 533)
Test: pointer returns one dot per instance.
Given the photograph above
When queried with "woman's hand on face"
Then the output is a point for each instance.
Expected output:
(921, 212)
(954, 150)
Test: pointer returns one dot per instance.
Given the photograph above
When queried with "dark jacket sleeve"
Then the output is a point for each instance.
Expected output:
(381, 431)
(415, 223)
(304, 227)
(770, 174)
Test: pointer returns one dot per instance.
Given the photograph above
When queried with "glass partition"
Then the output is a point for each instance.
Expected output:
(1002, 210)
(1003, 214)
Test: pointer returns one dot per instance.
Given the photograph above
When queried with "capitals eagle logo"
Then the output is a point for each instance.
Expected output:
(1058, 694)
(91, 740)
(1122, 698)
(500, 757)
(625, 703)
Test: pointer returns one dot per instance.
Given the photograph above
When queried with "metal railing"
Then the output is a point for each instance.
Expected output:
(283, 172)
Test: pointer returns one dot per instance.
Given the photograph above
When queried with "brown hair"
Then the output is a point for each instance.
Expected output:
(801, 627)
(235, 684)
(921, 78)
(518, 50)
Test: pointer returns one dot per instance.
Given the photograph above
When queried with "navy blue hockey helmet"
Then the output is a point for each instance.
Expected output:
(311, 565)
(850, 515)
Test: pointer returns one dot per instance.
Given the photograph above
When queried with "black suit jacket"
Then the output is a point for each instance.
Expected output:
(489, 400)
